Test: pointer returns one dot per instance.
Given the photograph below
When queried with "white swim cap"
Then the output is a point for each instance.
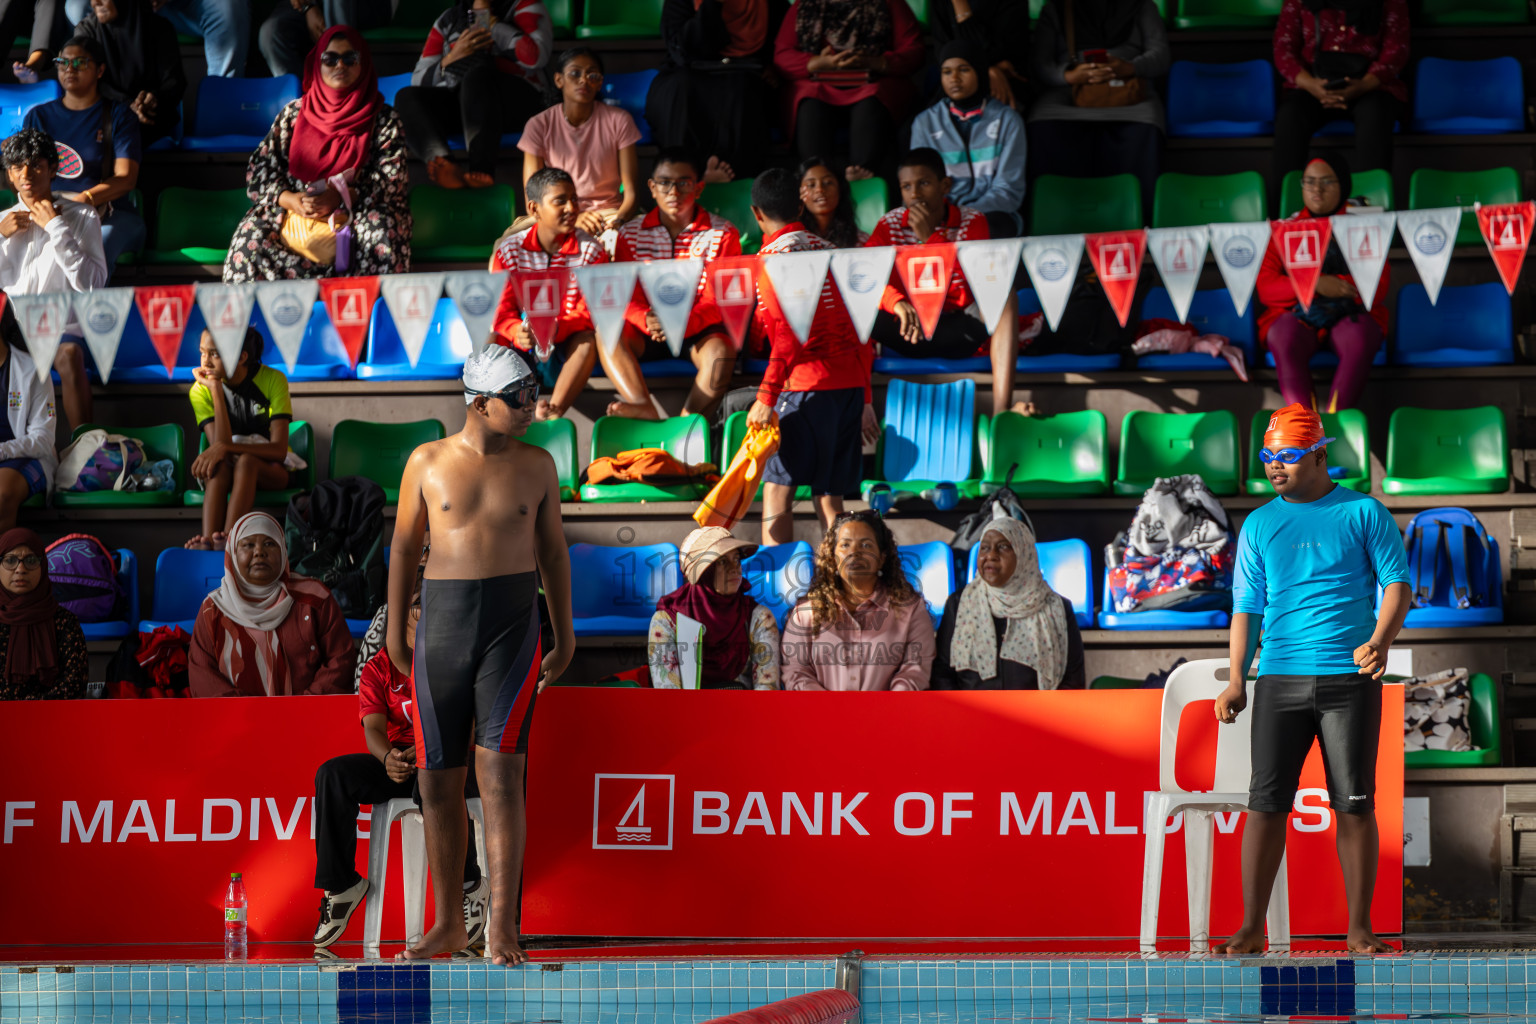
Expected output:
(493, 369)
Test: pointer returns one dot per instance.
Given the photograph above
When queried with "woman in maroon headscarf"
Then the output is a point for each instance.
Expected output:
(328, 183)
(42, 648)
(740, 639)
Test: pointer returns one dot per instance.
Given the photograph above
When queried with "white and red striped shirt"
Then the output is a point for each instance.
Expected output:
(710, 236)
(522, 251)
(832, 357)
(961, 224)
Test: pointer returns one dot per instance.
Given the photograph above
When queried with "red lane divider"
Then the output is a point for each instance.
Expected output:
(829, 1006)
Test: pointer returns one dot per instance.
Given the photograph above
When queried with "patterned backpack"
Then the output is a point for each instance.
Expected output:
(84, 577)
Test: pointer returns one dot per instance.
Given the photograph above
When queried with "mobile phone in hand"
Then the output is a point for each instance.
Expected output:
(483, 17)
(1096, 56)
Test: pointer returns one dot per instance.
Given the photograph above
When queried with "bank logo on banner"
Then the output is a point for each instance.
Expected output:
(672, 285)
(226, 312)
(102, 315)
(1301, 245)
(1364, 239)
(286, 306)
(1239, 251)
(608, 289)
(797, 279)
(349, 301)
(476, 293)
(632, 812)
(42, 319)
(1052, 264)
(731, 283)
(1507, 230)
(990, 268)
(1179, 255)
(1430, 236)
(861, 276)
(412, 303)
(1116, 258)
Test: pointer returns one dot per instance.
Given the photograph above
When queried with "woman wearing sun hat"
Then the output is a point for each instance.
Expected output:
(740, 639)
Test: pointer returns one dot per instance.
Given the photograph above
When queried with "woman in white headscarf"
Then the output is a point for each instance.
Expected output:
(1008, 630)
(265, 631)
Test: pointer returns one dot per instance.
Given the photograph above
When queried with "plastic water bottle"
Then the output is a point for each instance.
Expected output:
(234, 918)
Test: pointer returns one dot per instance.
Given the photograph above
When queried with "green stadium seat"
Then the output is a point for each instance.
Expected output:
(412, 20)
(193, 226)
(735, 433)
(562, 17)
(1444, 13)
(1154, 444)
(160, 442)
(733, 201)
(1351, 452)
(1483, 720)
(379, 451)
(459, 225)
(301, 440)
(620, 19)
(1428, 189)
(1114, 683)
(558, 437)
(1447, 451)
(871, 201)
(685, 438)
(1183, 200)
(919, 11)
(1064, 205)
(1208, 15)
(1061, 456)
(1375, 186)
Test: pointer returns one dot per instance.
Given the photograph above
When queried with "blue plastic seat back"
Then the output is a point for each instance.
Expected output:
(628, 90)
(930, 431)
(1469, 97)
(1452, 562)
(931, 568)
(241, 106)
(1469, 325)
(16, 100)
(1221, 100)
(322, 356)
(622, 581)
(1210, 312)
(447, 342)
(182, 579)
(778, 576)
(390, 85)
(1067, 566)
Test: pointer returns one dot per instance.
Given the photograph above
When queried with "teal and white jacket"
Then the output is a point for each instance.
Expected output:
(989, 174)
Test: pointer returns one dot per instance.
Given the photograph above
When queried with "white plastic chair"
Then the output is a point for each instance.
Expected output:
(1192, 681)
(413, 852)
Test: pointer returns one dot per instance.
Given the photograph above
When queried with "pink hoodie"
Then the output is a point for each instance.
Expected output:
(876, 648)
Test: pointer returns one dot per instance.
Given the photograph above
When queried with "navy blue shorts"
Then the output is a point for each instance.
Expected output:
(31, 470)
(821, 444)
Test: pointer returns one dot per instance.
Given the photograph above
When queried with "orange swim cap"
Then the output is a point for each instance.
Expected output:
(1295, 426)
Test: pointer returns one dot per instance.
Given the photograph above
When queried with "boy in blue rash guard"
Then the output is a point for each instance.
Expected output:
(1308, 564)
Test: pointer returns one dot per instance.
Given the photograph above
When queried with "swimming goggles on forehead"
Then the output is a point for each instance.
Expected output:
(1290, 456)
(517, 397)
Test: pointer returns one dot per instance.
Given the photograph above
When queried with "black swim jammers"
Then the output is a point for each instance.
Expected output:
(1342, 711)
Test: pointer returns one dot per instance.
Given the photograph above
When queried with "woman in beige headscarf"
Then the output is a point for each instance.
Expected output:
(1008, 630)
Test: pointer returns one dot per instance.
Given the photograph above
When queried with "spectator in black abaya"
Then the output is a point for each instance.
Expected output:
(1000, 28)
(143, 67)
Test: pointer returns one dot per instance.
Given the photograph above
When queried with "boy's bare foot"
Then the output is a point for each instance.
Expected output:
(503, 949)
(1365, 941)
(858, 174)
(199, 543)
(545, 410)
(440, 939)
(1026, 409)
(636, 411)
(1242, 943)
(718, 172)
(478, 179)
(219, 540)
(444, 173)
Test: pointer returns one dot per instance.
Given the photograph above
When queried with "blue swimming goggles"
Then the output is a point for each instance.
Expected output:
(1290, 456)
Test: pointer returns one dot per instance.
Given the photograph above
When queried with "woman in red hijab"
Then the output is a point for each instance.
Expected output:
(42, 648)
(328, 183)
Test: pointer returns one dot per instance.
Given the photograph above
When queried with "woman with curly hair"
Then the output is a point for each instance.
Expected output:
(861, 626)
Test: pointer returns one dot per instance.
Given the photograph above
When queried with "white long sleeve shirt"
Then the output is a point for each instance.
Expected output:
(64, 256)
(29, 409)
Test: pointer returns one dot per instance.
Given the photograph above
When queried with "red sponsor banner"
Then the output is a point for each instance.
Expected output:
(164, 308)
(1507, 230)
(1116, 258)
(1301, 246)
(349, 302)
(925, 272)
(731, 284)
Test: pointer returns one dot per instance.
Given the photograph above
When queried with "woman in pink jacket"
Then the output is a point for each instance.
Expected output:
(861, 626)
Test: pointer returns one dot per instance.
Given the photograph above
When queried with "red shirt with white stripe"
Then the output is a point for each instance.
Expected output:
(832, 357)
(382, 690)
(961, 224)
(522, 251)
(709, 236)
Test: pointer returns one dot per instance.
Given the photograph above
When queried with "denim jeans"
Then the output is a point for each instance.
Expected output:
(120, 232)
(223, 25)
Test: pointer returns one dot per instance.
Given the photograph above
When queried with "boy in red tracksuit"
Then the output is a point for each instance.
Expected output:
(818, 392)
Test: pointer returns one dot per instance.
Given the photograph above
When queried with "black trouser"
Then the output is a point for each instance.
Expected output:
(871, 132)
(1084, 149)
(284, 37)
(1300, 114)
(484, 105)
(719, 114)
(958, 335)
(342, 785)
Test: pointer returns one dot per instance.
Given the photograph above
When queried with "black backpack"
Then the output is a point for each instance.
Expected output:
(335, 534)
(969, 533)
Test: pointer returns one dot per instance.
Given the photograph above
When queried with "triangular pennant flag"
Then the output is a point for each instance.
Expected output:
(227, 313)
(1302, 246)
(990, 268)
(1116, 258)
(349, 302)
(286, 306)
(1507, 230)
(541, 300)
(672, 286)
(731, 284)
(925, 272)
(1239, 251)
(608, 289)
(102, 315)
(412, 303)
(1052, 264)
(42, 319)
(861, 275)
(1364, 239)
(796, 280)
(1430, 235)
(1179, 255)
(476, 293)
(164, 308)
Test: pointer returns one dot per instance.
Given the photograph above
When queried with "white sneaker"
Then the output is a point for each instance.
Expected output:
(336, 910)
(477, 905)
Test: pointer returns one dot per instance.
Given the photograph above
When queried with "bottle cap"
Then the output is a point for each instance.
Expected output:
(235, 876)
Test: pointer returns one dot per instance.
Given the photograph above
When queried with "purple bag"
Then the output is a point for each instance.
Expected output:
(84, 577)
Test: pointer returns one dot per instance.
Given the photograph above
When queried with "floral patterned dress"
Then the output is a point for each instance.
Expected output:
(73, 664)
(761, 672)
(381, 213)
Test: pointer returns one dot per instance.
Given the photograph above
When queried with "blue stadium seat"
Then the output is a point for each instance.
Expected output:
(1221, 101)
(1058, 362)
(620, 586)
(182, 579)
(233, 115)
(1470, 326)
(1210, 312)
(137, 362)
(322, 356)
(389, 85)
(1067, 566)
(777, 576)
(1158, 618)
(1346, 126)
(931, 568)
(16, 100)
(128, 579)
(443, 352)
(1469, 97)
(628, 90)
(929, 435)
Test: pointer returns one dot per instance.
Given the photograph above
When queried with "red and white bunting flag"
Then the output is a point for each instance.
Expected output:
(349, 303)
(1116, 258)
(165, 308)
(1301, 246)
(1507, 230)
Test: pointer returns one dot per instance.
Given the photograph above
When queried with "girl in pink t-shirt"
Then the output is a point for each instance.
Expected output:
(588, 139)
